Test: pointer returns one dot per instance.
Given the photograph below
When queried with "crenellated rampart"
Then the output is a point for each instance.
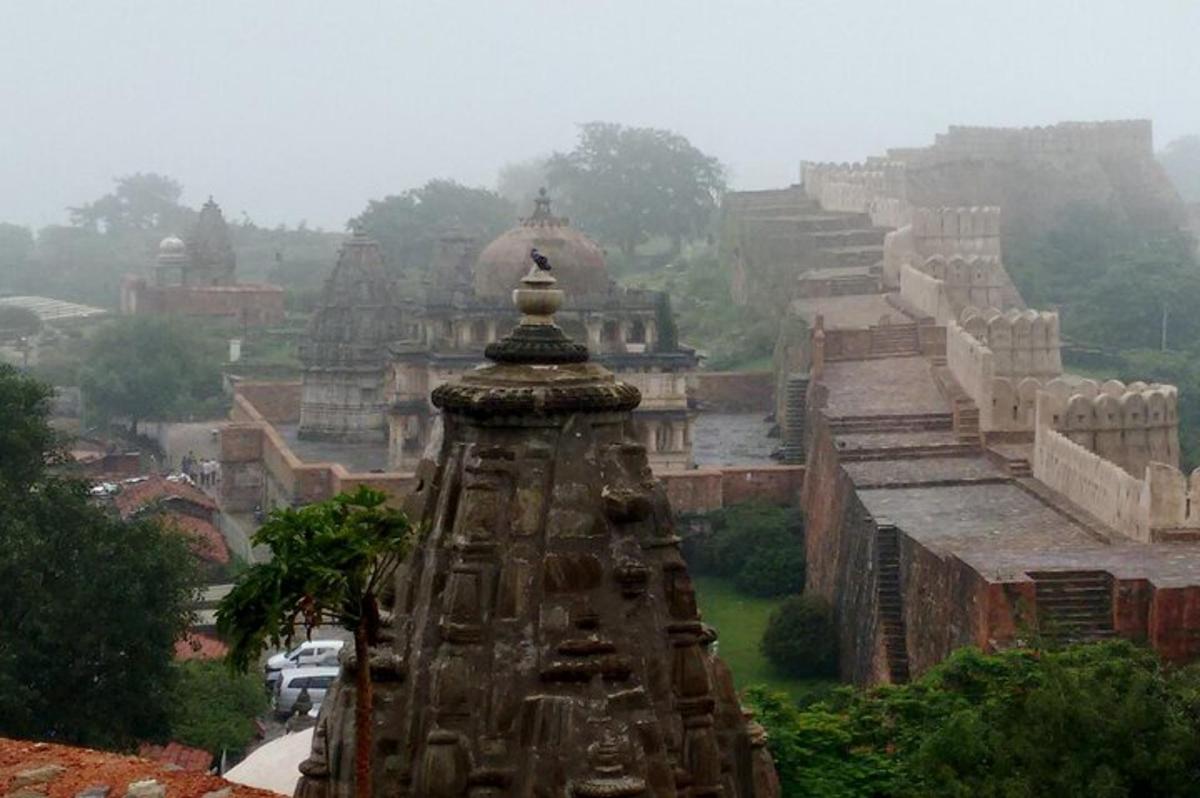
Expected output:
(1147, 505)
(876, 187)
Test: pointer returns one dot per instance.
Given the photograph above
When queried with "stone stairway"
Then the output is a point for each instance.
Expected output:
(1020, 468)
(891, 603)
(966, 421)
(895, 339)
(1074, 606)
(795, 413)
(907, 422)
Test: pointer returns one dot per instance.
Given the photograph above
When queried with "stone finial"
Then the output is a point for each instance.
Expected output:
(537, 339)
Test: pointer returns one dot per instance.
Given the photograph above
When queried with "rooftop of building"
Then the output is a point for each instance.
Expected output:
(856, 311)
(51, 310)
(60, 771)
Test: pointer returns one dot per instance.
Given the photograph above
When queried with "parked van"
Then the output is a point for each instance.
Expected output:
(310, 653)
(316, 680)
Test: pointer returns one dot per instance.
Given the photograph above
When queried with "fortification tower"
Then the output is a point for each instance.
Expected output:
(543, 638)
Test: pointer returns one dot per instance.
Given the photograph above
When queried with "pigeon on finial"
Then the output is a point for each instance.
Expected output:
(541, 260)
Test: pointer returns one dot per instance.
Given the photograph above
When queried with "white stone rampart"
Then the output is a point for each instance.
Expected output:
(877, 188)
(925, 293)
(957, 231)
(1128, 425)
(972, 364)
(1104, 489)
(1160, 499)
(1026, 343)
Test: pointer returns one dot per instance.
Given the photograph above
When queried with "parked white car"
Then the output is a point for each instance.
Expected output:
(291, 682)
(309, 654)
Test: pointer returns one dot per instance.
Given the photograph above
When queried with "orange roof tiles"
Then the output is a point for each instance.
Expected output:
(206, 540)
(84, 767)
(181, 756)
(136, 495)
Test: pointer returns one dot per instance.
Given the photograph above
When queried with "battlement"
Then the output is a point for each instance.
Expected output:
(1116, 137)
(960, 225)
(1073, 442)
(877, 187)
(1023, 343)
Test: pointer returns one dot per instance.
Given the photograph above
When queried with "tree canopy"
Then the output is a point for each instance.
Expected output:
(407, 225)
(1097, 720)
(626, 184)
(91, 606)
(329, 562)
(145, 367)
(142, 201)
(1181, 160)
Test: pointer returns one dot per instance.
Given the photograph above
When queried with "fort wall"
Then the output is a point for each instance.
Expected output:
(259, 469)
(926, 294)
(703, 490)
(732, 391)
(1146, 506)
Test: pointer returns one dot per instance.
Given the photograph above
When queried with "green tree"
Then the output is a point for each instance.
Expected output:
(800, 639)
(16, 251)
(142, 201)
(329, 562)
(143, 367)
(1181, 160)
(408, 225)
(1104, 719)
(214, 708)
(91, 606)
(519, 182)
(627, 184)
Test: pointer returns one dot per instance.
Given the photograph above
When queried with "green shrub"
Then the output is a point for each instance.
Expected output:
(213, 708)
(763, 541)
(774, 568)
(800, 639)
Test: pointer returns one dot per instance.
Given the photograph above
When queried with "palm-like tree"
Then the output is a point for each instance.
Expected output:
(329, 561)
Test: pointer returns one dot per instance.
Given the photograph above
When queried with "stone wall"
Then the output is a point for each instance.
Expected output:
(732, 391)
(1146, 507)
(259, 469)
(275, 402)
(925, 294)
(840, 540)
(703, 490)
(246, 304)
(876, 187)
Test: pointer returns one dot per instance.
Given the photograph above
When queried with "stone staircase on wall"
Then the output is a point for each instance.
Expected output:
(841, 238)
(905, 422)
(795, 415)
(895, 339)
(891, 602)
(1074, 606)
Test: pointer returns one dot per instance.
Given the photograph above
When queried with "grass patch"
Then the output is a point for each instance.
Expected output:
(740, 621)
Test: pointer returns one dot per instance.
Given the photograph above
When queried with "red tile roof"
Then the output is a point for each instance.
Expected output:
(84, 767)
(196, 645)
(206, 540)
(181, 756)
(136, 495)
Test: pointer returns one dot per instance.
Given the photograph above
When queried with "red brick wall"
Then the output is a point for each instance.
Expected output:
(255, 305)
(705, 489)
(733, 391)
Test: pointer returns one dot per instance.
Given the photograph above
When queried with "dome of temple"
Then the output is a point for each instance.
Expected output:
(576, 261)
(172, 247)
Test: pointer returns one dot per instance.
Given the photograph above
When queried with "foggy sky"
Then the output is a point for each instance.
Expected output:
(290, 110)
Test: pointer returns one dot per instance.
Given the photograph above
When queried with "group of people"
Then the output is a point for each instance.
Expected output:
(203, 471)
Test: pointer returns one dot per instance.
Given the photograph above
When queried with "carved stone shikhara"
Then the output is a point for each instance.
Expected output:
(543, 638)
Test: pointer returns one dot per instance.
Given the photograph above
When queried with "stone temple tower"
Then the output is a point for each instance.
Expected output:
(344, 352)
(543, 638)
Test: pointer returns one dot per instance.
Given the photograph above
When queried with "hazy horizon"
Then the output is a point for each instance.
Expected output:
(292, 111)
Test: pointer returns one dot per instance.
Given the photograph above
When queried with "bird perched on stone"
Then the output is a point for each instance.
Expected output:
(541, 260)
